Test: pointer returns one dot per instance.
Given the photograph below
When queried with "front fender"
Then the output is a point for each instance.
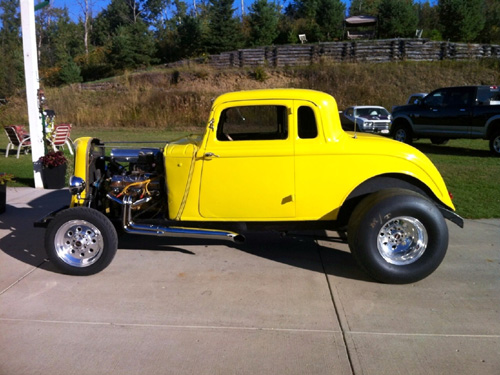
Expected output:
(87, 150)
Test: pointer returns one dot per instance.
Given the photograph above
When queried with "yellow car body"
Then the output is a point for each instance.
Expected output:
(267, 156)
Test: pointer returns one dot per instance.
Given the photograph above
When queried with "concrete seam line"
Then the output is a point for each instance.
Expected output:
(145, 325)
(22, 278)
(337, 314)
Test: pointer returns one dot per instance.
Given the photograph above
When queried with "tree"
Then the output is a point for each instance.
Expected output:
(190, 33)
(132, 46)
(491, 30)
(364, 7)
(462, 20)
(330, 16)
(428, 21)
(397, 18)
(224, 29)
(11, 66)
(263, 21)
(70, 72)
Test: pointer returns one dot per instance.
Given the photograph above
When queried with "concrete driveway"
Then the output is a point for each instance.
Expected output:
(270, 306)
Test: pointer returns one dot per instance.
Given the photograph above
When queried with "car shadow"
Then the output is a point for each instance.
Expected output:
(22, 241)
(316, 253)
(428, 148)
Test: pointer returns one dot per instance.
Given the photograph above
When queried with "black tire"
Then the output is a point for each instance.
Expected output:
(439, 141)
(495, 144)
(81, 241)
(402, 132)
(387, 218)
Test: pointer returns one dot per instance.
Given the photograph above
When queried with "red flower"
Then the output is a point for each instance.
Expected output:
(53, 159)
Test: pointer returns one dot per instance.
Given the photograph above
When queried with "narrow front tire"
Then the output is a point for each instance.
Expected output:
(81, 241)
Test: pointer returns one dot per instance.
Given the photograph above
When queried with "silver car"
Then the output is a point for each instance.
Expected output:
(370, 119)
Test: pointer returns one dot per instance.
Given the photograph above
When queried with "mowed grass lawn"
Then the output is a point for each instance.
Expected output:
(471, 174)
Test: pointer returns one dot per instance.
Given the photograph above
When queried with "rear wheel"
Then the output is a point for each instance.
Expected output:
(81, 241)
(495, 144)
(402, 132)
(397, 236)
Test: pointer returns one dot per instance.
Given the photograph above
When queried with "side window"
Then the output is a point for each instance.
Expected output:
(436, 99)
(460, 97)
(307, 123)
(251, 123)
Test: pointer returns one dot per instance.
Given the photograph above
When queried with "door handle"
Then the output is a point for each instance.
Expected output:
(211, 155)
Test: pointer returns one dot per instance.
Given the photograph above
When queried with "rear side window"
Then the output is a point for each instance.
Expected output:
(488, 95)
(307, 123)
(249, 123)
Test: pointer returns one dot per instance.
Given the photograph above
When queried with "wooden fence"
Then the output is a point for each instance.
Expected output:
(351, 51)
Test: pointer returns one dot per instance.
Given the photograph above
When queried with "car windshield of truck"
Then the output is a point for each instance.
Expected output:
(247, 123)
(371, 111)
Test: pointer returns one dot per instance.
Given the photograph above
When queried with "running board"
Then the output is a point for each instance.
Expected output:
(157, 230)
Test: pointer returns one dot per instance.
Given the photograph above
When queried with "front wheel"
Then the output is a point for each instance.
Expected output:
(402, 133)
(495, 144)
(81, 241)
(397, 236)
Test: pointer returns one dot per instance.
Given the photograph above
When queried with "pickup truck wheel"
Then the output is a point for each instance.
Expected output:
(397, 236)
(81, 241)
(495, 144)
(402, 133)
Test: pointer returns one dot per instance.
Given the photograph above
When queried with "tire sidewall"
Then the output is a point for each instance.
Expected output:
(495, 139)
(406, 131)
(379, 210)
(96, 218)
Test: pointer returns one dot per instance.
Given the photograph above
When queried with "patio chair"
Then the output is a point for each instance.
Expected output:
(60, 137)
(17, 138)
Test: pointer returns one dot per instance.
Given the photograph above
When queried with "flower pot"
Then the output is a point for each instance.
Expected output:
(54, 178)
(3, 197)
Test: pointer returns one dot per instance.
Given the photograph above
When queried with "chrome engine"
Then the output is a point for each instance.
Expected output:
(135, 174)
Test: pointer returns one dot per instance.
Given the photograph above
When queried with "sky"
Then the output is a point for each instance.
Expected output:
(75, 10)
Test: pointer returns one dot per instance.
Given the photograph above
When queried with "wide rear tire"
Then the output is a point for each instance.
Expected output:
(81, 241)
(397, 236)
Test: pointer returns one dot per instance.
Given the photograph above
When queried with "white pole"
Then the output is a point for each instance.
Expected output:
(32, 86)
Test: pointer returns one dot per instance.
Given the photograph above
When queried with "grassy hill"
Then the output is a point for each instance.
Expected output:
(172, 102)
(180, 98)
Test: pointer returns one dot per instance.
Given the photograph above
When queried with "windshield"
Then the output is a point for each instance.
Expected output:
(371, 111)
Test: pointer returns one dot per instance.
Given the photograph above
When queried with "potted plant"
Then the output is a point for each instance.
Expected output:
(4, 178)
(54, 165)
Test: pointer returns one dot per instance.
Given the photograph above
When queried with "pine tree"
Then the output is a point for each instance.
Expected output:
(224, 29)
(263, 20)
(11, 66)
(462, 20)
(397, 18)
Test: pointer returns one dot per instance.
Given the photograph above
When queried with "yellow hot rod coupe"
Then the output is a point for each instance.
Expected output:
(268, 160)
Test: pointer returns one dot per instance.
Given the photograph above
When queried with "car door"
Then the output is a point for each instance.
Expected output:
(446, 112)
(248, 163)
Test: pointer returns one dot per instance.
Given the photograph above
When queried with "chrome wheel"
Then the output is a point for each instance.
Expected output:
(402, 240)
(78, 243)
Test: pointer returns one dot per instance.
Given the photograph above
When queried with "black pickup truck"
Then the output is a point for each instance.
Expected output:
(451, 112)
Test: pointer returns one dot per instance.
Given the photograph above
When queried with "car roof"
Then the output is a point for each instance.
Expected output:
(366, 106)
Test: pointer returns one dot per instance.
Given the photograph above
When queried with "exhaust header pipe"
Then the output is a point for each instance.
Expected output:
(162, 231)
